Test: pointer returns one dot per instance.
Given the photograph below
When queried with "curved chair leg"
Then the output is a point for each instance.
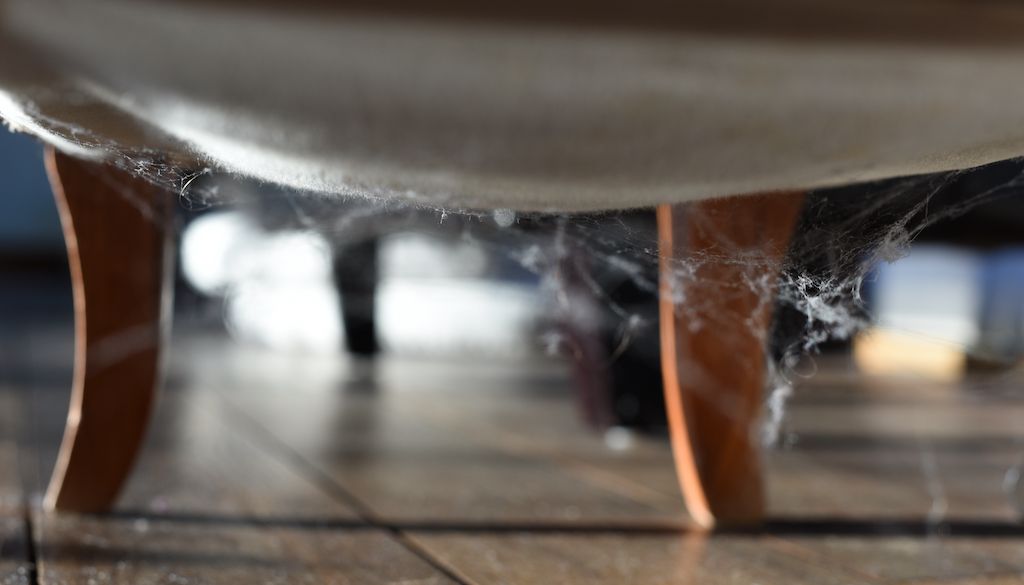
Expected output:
(117, 240)
(719, 260)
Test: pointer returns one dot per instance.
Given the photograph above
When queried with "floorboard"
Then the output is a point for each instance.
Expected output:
(16, 567)
(208, 505)
(273, 468)
(16, 555)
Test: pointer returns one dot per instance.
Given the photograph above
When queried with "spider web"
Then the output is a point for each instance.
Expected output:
(600, 271)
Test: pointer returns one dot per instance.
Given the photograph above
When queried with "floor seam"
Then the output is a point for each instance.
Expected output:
(30, 545)
(324, 481)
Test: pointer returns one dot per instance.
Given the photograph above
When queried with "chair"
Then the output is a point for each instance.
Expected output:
(733, 108)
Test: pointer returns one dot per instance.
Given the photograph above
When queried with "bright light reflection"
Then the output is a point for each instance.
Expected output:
(457, 316)
(432, 298)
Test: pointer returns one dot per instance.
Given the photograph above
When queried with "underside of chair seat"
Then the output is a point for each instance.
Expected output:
(510, 110)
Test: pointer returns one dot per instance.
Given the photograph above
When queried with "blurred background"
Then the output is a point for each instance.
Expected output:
(298, 275)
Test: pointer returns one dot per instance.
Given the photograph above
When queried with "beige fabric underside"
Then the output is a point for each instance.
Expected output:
(485, 115)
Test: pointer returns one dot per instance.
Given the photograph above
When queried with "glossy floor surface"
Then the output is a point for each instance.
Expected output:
(268, 468)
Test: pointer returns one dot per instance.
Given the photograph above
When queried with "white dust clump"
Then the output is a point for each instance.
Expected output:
(619, 439)
(1013, 486)
(936, 490)
(504, 217)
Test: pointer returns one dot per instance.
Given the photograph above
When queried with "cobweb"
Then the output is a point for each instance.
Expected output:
(599, 272)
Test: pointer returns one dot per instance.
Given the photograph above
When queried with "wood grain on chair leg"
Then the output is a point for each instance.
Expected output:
(116, 232)
(720, 262)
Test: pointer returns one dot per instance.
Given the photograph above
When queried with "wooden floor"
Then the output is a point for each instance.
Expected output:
(266, 468)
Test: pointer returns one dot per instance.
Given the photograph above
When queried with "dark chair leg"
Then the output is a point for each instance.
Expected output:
(714, 369)
(355, 276)
(117, 236)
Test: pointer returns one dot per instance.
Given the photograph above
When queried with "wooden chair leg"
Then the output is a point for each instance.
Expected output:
(117, 239)
(719, 263)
